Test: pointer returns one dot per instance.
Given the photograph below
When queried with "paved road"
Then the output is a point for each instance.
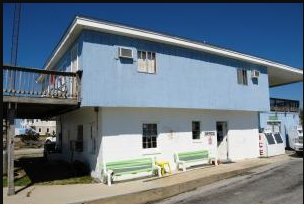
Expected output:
(272, 184)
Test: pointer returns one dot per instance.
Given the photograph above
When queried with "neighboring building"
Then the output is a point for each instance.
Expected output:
(283, 115)
(146, 94)
(43, 127)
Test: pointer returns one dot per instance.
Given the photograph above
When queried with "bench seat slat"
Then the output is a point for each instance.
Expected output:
(194, 157)
(130, 162)
(192, 153)
(133, 166)
(133, 171)
(121, 169)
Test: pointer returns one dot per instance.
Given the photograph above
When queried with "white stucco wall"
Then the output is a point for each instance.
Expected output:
(120, 133)
(69, 122)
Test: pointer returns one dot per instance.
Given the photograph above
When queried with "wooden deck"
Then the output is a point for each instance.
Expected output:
(40, 93)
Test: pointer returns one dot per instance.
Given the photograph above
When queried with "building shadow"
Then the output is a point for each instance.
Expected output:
(296, 155)
(40, 170)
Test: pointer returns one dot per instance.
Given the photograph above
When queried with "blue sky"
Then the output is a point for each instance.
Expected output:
(271, 31)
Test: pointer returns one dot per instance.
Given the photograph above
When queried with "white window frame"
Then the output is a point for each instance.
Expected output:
(156, 139)
(155, 62)
(241, 81)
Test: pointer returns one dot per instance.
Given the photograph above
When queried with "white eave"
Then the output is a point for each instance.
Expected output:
(279, 74)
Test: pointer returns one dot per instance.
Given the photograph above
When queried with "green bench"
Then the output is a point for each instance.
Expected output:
(187, 159)
(129, 167)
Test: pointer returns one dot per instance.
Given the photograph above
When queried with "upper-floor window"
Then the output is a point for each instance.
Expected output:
(146, 62)
(196, 130)
(242, 76)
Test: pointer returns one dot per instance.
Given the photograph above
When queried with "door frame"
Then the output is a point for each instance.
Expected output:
(227, 137)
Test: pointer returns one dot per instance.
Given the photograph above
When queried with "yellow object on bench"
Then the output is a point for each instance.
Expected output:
(162, 165)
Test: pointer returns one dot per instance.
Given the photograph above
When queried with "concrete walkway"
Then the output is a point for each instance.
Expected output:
(138, 191)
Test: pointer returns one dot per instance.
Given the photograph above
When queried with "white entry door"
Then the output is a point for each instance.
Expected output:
(222, 140)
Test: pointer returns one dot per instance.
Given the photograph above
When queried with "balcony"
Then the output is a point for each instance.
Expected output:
(40, 93)
(284, 105)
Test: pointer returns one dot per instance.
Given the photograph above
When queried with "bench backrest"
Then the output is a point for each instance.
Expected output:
(130, 166)
(196, 155)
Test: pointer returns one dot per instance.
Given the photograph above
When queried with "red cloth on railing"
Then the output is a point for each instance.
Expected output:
(52, 79)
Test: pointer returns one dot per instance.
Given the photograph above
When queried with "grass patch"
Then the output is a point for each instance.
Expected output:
(75, 180)
(38, 171)
(23, 181)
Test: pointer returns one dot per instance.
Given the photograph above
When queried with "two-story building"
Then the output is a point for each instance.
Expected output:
(147, 94)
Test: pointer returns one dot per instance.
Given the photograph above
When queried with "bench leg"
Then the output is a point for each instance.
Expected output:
(159, 171)
(183, 165)
(109, 178)
(213, 160)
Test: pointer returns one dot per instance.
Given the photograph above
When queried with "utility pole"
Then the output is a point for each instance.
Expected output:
(12, 106)
(10, 148)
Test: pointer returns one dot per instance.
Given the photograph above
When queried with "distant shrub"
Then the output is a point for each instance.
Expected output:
(28, 137)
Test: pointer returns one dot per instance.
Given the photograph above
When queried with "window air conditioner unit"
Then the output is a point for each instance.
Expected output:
(255, 74)
(125, 53)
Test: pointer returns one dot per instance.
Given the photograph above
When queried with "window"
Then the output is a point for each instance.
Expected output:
(80, 132)
(39, 130)
(278, 138)
(269, 138)
(79, 141)
(242, 76)
(47, 130)
(196, 130)
(149, 136)
(146, 62)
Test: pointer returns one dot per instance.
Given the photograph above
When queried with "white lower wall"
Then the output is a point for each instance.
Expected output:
(69, 122)
(119, 133)
(122, 132)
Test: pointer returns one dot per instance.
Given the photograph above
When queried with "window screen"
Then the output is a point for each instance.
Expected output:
(278, 138)
(269, 138)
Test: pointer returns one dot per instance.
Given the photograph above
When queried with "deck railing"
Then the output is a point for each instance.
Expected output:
(284, 105)
(29, 82)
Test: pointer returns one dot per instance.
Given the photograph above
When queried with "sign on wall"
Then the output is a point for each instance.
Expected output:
(273, 117)
(210, 134)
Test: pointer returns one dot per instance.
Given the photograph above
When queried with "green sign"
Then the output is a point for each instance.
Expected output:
(273, 117)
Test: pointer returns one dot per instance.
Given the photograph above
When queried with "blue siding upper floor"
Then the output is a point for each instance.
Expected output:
(184, 79)
(64, 64)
